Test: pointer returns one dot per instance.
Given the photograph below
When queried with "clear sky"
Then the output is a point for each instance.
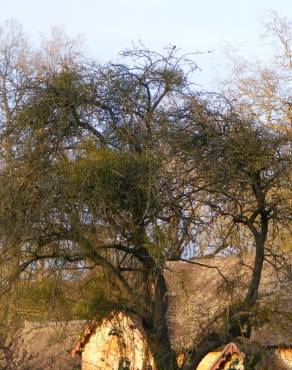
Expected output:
(112, 25)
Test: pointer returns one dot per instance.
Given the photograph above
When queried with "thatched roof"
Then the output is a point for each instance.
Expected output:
(199, 294)
(46, 346)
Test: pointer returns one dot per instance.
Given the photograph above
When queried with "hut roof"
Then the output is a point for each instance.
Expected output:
(200, 291)
(45, 345)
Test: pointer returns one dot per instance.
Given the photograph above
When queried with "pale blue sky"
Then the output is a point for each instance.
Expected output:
(111, 25)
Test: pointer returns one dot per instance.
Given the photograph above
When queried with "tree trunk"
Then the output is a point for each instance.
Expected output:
(160, 346)
(260, 239)
(157, 331)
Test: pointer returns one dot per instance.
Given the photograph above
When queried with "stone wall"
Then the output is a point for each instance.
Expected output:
(117, 339)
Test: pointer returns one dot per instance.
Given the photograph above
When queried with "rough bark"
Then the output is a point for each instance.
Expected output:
(260, 238)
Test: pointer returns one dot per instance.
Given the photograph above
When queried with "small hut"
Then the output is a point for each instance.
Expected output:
(117, 342)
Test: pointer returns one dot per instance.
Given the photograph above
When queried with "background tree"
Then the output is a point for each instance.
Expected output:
(263, 88)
